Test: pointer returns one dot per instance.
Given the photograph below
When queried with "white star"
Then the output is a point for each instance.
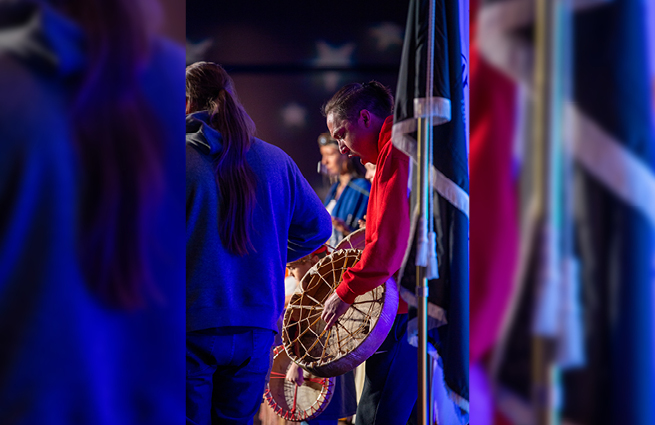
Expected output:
(294, 115)
(387, 34)
(196, 51)
(333, 55)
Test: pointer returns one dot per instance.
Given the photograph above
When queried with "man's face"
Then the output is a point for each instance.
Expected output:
(355, 138)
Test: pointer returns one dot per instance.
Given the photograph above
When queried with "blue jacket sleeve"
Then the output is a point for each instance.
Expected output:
(310, 224)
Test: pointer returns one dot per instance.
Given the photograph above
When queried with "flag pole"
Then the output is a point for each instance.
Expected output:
(541, 355)
(424, 140)
(422, 282)
(546, 183)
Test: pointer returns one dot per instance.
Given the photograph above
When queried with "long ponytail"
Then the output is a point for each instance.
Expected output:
(210, 88)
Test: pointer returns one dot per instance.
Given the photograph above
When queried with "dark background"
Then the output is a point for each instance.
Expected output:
(287, 58)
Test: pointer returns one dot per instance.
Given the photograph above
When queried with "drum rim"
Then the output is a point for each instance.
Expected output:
(305, 415)
(342, 245)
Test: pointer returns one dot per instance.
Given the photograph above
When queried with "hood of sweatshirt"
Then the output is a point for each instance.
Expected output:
(200, 135)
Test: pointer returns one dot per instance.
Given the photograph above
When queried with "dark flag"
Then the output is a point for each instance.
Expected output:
(448, 293)
(613, 148)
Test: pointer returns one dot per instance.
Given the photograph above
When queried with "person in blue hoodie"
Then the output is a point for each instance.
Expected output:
(249, 212)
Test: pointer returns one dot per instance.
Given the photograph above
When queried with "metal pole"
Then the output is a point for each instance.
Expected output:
(541, 385)
(547, 180)
(424, 139)
(422, 283)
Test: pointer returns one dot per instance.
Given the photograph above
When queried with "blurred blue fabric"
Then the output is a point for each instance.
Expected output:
(64, 358)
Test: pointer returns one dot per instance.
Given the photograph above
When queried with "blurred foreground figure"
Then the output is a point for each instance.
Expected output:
(249, 212)
(91, 264)
(494, 204)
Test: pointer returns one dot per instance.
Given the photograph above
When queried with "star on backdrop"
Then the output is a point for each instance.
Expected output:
(387, 34)
(328, 56)
(334, 55)
(197, 51)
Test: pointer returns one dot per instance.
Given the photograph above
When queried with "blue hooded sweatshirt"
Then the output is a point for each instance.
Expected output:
(290, 222)
(65, 358)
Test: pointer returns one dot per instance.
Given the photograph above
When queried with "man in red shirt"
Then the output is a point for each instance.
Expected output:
(359, 117)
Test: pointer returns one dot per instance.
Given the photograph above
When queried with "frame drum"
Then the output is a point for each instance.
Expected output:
(357, 334)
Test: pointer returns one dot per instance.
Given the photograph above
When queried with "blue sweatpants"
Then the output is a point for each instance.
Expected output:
(226, 374)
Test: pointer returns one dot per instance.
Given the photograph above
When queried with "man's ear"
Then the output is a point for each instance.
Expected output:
(365, 115)
(315, 259)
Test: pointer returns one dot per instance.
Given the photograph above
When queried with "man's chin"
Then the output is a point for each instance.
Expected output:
(352, 154)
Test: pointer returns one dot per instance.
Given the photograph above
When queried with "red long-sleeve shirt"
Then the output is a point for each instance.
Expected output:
(387, 223)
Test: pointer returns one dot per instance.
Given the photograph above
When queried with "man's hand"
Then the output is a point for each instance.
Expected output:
(362, 222)
(333, 309)
(295, 374)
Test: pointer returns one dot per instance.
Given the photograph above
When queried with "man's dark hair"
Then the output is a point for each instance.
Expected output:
(352, 98)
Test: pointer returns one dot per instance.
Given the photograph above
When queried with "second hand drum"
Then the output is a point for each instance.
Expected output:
(355, 240)
(296, 402)
(357, 334)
